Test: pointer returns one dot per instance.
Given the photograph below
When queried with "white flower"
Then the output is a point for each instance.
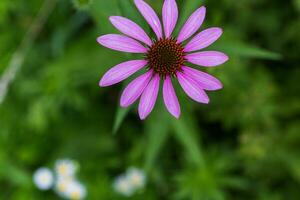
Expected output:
(43, 178)
(69, 188)
(75, 191)
(136, 177)
(123, 186)
(62, 184)
(128, 183)
(65, 168)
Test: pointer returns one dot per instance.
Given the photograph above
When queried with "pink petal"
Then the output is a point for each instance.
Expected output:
(207, 58)
(121, 72)
(149, 97)
(203, 39)
(170, 98)
(192, 24)
(130, 28)
(169, 16)
(134, 90)
(204, 80)
(150, 16)
(121, 43)
(192, 89)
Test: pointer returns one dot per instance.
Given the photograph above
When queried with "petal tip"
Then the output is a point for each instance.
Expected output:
(206, 101)
(176, 115)
(202, 8)
(100, 39)
(202, 11)
(102, 83)
(123, 104)
(138, 1)
(226, 58)
(220, 30)
(112, 18)
(142, 117)
(220, 87)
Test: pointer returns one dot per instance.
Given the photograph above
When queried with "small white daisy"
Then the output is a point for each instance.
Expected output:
(75, 191)
(136, 177)
(122, 186)
(62, 184)
(65, 168)
(43, 178)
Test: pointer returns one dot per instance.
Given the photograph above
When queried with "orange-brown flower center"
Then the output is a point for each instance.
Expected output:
(165, 57)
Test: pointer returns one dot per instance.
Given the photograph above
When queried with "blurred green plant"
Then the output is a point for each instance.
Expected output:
(243, 145)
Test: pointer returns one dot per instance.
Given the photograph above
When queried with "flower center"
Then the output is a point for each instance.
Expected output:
(166, 57)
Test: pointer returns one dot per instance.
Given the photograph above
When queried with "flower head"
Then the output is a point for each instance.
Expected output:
(70, 188)
(61, 185)
(136, 177)
(131, 181)
(165, 58)
(75, 191)
(43, 178)
(65, 168)
(122, 186)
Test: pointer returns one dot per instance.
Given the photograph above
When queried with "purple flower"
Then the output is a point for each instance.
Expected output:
(165, 58)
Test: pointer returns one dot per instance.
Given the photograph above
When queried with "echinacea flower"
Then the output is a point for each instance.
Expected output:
(165, 58)
(43, 178)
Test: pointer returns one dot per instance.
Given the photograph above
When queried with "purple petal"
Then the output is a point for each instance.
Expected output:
(207, 58)
(150, 16)
(170, 98)
(192, 24)
(149, 97)
(203, 39)
(130, 28)
(169, 16)
(121, 72)
(192, 89)
(204, 80)
(121, 43)
(134, 90)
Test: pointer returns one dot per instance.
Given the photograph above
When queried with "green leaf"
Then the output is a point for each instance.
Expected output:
(14, 174)
(122, 112)
(128, 10)
(157, 131)
(82, 4)
(250, 51)
(101, 10)
(120, 116)
(185, 134)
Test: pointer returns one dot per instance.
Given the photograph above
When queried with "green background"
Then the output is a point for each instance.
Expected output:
(244, 145)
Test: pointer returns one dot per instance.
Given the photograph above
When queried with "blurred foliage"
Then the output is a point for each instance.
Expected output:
(244, 145)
